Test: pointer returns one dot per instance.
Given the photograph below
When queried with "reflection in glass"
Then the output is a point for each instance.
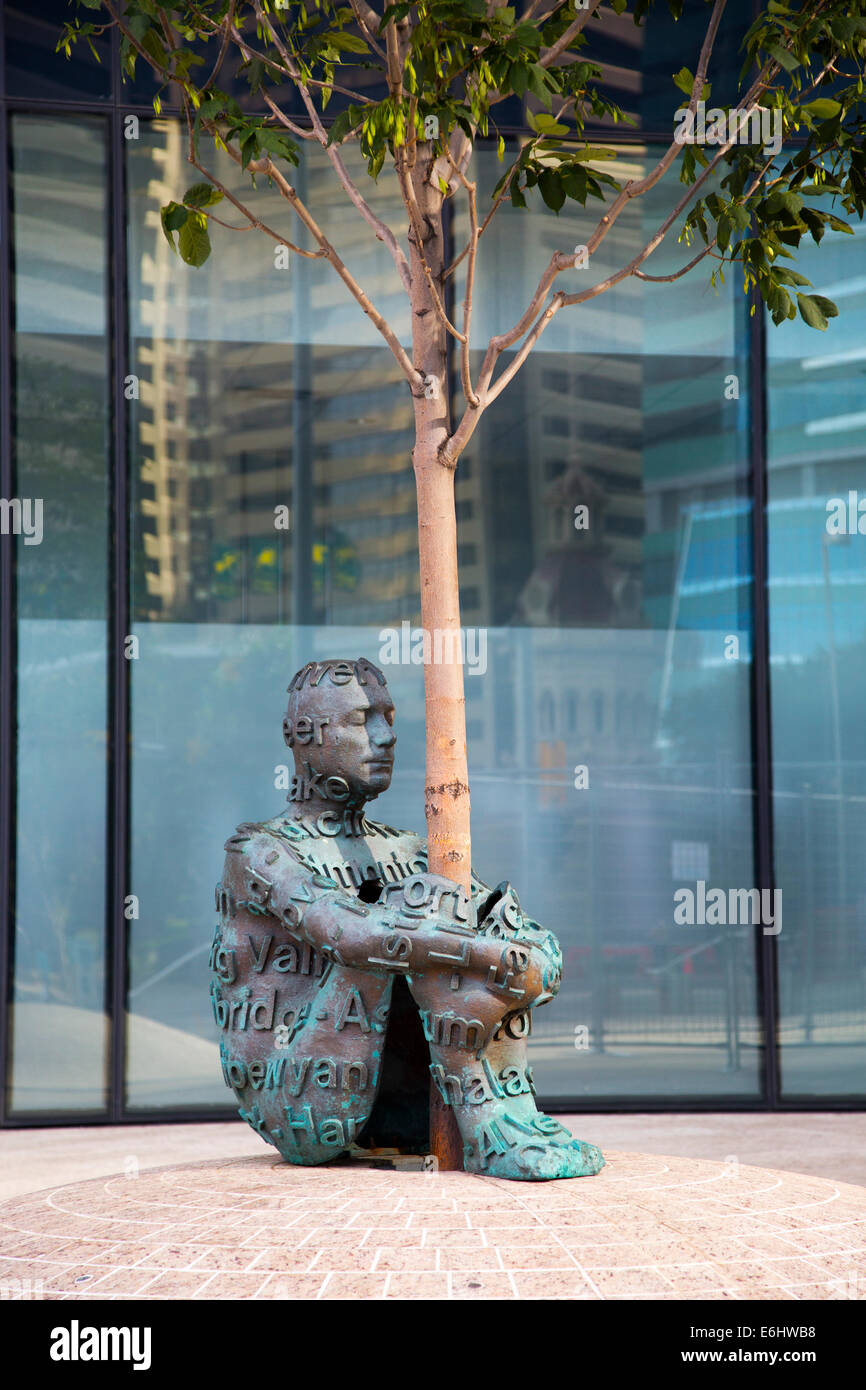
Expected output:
(264, 398)
(61, 419)
(607, 498)
(263, 388)
(34, 69)
(817, 554)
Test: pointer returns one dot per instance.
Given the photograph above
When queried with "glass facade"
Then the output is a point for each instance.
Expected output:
(611, 556)
(817, 552)
(58, 189)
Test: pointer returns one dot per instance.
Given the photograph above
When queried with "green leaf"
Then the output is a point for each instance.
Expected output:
(684, 80)
(552, 191)
(811, 311)
(172, 217)
(340, 129)
(517, 198)
(151, 44)
(518, 79)
(723, 232)
(536, 81)
(778, 301)
(815, 221)
(785, 59)
(193, 239)
(546, 125)
(823, 109)
(592, 152)
(827, 307)
(348, 43)
(574, 181)
(276, 143)
(201, 195)
(248, 148)
(789, 277)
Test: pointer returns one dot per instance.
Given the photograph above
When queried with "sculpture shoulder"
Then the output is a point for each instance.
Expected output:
(263, 847)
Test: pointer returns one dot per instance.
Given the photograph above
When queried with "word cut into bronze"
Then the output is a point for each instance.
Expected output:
(344, 973)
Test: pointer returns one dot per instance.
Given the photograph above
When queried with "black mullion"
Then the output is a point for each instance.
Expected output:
(766, 950)
(8, 645)
(117, 788)
(761, 717)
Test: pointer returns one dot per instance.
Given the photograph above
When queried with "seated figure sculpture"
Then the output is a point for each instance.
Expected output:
(330, 926)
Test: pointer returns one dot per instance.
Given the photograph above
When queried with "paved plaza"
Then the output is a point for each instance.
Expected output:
(648, 1227)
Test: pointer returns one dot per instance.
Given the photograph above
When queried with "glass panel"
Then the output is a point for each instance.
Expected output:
(261, 388)
(608, 646)
(607, 516)
(35, 69)
(638, 63)
(817, 553)
(61, 421)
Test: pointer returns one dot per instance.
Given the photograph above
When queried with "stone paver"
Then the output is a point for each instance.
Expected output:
(648, 1227)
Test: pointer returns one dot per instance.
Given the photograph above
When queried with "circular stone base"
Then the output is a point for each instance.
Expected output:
(647, 1227)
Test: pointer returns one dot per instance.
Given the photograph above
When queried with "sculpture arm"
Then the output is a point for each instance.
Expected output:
(270, 879)
(423, 926)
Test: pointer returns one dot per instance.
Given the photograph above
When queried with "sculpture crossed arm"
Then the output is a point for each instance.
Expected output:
(424, 928)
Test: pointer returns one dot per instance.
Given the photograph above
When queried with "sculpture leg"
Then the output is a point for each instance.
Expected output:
(560, 1155)
(504, 1133)
(478, 1062)
(313, 1094)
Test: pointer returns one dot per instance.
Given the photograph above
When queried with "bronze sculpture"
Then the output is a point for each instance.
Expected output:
(343, 969)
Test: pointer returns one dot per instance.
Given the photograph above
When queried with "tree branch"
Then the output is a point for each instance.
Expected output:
(465, 374)
(562, 43)
(666, 279)
(245, 212)
(229, 23)
(483, 228)
(368, 23)
(266, 166)
(383, 232)
(404, 178)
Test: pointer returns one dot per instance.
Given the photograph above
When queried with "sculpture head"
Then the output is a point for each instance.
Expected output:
(339, 726)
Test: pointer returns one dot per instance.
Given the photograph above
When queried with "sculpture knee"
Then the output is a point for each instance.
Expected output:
(308, 1137)
(310, 1108)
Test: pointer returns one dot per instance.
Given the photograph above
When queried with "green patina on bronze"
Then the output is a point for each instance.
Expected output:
(344, 974)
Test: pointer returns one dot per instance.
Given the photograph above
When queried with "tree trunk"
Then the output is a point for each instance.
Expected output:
(446, 794)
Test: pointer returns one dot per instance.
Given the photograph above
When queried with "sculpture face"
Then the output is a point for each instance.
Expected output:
(344, 731)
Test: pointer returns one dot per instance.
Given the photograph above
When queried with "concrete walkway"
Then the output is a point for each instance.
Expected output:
(823, 1145)
(645, 1228)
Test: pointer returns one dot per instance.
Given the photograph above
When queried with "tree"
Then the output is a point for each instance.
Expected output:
(440, 69)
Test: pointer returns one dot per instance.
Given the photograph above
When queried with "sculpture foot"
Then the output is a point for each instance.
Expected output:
(537, 1160)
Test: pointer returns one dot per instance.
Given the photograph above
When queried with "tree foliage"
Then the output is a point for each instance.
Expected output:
(445, 66)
